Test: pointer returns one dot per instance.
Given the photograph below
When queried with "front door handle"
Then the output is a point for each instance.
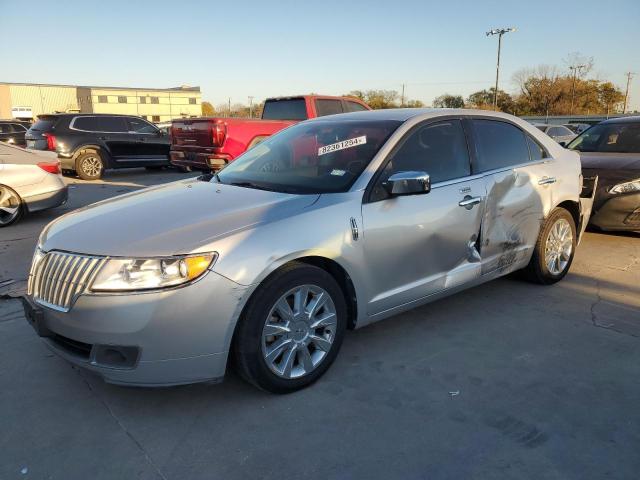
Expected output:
(547, 180)
(468, 201)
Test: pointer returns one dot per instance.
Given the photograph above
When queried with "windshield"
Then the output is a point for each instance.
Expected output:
(609, 137)
(321, 156)
(44, 123)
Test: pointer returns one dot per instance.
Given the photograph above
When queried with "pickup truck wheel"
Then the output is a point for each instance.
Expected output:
(291, 329)
(554, 250)
(11, 206)
(89, 165)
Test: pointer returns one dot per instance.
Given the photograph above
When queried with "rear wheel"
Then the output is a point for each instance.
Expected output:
(291, 330)
(554, 250)
(11, 206)
(89, 165)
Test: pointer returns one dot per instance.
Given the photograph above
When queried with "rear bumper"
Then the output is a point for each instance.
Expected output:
(199, 160)
(47, 200)
(618, 213)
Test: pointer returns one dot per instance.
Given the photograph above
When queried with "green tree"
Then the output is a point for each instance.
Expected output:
(610, 96)
(483, 100)
(448, 101)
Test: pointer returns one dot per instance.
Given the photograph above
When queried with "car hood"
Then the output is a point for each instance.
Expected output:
(610, 161)
(175, 218)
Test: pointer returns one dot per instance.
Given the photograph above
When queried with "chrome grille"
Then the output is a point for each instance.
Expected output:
(59, 278)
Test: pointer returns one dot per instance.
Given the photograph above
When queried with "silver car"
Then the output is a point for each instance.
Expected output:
(29, 182)
(559, 133)
(331, 224)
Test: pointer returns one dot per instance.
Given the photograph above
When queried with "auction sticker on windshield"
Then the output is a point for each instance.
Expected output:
(350, 142)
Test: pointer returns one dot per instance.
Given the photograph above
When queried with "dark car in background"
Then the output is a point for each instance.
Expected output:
(13, 131)
(611, 150)
(88, 144)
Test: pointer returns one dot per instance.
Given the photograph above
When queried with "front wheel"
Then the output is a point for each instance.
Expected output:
(11, 206)
(554, 250)
(291, 330)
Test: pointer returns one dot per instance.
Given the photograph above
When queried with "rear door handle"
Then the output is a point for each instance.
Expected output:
(468, 201)
(547, 180)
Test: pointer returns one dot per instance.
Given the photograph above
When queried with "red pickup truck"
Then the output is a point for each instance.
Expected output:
(209, 143)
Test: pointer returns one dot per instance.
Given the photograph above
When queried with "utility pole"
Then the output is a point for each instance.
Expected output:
(575, 69)
(402, 97)
(499, 32)
(250, 106)
(626, 93)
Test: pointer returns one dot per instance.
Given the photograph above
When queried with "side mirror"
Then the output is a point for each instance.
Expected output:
(407, 183)
(562, 144)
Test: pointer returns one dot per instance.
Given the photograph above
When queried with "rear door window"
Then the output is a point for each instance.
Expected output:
(499, 145)
(354, 106)
(328, 107)
(289, 109)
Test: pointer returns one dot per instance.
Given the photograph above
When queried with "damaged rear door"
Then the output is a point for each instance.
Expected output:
(419, 245)
(518, 188)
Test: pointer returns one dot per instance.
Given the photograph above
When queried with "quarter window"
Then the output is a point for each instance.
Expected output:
(499, 145)
(103, 99)
(328, 107)
(439, 149)
(536, 151)
(122, 99)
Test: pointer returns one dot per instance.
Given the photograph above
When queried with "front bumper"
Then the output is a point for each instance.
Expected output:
(163, 338)
(620, 212)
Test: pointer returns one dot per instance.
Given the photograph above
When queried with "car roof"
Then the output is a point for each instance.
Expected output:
(632, 119)
(63, 115)
(404, 114)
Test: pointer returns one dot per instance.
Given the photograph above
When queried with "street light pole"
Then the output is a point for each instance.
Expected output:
(626, 93)
(250, 106)
(499, 32)
(575, 69)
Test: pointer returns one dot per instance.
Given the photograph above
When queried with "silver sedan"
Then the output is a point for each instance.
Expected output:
(330, 225)
(28, 182)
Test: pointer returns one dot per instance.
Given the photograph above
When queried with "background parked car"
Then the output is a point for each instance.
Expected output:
(211, 143)
(13, 131)
(29, 182)
(559, 133)
(611, 150)
(577, 128)
(87, 144)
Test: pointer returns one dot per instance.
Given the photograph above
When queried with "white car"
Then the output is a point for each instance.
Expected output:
(29, 181)
(559, 133)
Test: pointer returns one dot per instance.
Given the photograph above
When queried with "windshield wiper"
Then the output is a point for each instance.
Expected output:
(256, 186)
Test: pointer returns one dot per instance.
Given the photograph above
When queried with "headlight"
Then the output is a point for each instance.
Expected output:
(627, 187)
(126, 274)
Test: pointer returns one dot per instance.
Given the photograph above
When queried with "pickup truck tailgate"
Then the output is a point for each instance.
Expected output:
(192, 132)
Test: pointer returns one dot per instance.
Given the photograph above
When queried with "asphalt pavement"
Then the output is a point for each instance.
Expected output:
(505, 380)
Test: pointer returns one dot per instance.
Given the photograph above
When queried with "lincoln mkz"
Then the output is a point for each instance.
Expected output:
(329, 225)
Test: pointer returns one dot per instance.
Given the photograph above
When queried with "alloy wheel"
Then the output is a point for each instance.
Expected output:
(91, 166)
(299, 331)
(9, 205)
(558, 247)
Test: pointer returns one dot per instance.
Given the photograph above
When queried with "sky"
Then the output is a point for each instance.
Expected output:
(235, 49)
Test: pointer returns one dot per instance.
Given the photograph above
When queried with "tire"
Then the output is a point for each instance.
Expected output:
(89, 165)
(262, 329)
(183, 169)
(541, 269)
(11, 206)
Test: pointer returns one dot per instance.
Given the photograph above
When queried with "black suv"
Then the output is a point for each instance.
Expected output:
(12, 131)
(87, 144)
